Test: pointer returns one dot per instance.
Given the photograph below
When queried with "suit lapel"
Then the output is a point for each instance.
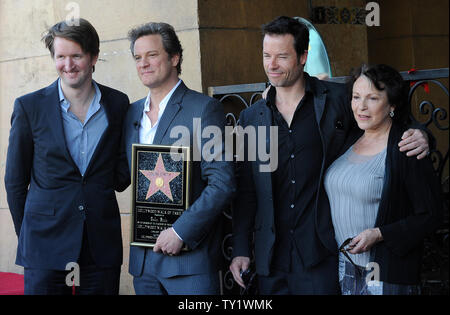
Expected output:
(265, 119)
(319, 104)
(51, 98)
(138, 109)
(172, 108)
(319, 91)
(265, 115)
(131, 126)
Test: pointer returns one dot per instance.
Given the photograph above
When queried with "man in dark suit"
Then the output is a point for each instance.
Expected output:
(295, 250)
(160, 118)
(64, 162)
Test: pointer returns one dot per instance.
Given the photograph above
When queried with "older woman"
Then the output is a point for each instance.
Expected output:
(383, 203)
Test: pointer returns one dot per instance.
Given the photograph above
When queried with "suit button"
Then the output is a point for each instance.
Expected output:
(81, 208)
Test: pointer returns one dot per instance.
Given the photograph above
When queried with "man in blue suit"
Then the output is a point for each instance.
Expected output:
(166, 269)
(64, 162)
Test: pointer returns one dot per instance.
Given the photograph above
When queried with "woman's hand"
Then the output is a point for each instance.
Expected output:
(364, 241)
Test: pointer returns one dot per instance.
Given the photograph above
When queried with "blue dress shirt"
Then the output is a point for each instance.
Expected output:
(82, 138)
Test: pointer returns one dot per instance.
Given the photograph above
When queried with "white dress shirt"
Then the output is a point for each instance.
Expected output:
(146, 130)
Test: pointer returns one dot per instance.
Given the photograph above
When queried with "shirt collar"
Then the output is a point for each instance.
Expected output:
(65, 103)
(164, 101)
(272, 93)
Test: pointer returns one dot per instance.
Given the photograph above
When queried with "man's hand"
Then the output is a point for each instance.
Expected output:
(415, 141)
(239, 264)
(322, 76)
(168, 243)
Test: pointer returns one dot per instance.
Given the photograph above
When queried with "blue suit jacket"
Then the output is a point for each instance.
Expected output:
(212, 185)
(48, 198)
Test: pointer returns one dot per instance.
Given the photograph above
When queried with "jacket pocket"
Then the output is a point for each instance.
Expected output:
(40, 207)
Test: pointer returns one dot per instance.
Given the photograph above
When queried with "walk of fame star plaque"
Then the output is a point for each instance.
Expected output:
(160, 190)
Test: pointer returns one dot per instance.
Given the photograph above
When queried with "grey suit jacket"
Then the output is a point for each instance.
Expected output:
(213, 184)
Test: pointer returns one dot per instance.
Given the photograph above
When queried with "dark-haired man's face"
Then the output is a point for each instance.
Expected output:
(281, 63)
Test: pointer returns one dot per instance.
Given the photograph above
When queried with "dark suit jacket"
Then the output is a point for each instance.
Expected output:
(254, 209)
(212, 184)
(411, 207)
(49, 200)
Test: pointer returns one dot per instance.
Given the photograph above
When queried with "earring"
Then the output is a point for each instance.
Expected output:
(392, 114)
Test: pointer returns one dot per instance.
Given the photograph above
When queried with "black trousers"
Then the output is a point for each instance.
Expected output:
(321, 279)
(94, 280)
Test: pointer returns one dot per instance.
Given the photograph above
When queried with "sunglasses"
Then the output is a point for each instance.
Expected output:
(344, 248)
(249, 278)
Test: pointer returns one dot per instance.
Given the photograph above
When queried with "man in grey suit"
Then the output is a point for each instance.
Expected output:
(166, 269)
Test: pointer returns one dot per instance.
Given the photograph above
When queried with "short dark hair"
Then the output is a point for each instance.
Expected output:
(386, 78)
(83, 33)
(170, 40)
(283, 25)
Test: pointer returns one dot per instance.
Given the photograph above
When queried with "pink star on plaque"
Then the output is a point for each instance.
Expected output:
(159, 179)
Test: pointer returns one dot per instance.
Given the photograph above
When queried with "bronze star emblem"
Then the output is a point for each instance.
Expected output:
(159, 179)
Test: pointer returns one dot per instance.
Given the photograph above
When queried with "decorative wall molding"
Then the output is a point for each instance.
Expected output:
(338, 15)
